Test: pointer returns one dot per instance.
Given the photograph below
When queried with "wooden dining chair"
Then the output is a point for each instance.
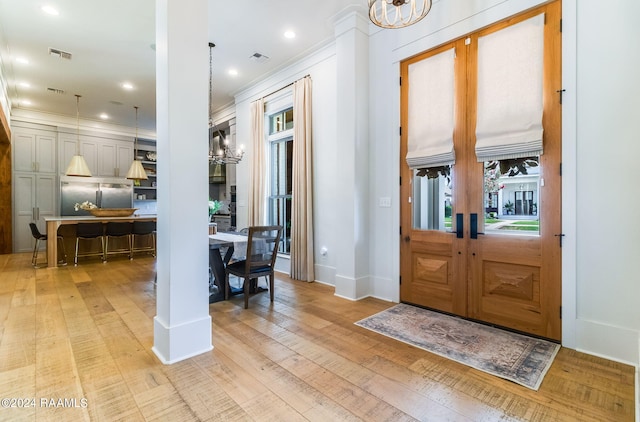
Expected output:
(262, 250)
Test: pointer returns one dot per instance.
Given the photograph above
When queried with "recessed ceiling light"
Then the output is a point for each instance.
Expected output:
(104, 116)
(50, 10)
(128, 86)
(233, 72)
(289, 34)
(22, 60)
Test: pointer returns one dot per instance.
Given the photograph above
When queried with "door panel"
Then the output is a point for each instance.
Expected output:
(506, 286)
(505, 278)
(434, 272)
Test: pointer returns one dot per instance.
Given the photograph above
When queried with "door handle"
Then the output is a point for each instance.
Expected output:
(459, 226)
(473, 221)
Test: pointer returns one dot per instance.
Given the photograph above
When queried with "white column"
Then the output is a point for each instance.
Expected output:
(352, 62)
(182, 326)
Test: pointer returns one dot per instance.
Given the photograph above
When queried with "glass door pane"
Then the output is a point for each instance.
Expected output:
(511, 192)
(432, 200)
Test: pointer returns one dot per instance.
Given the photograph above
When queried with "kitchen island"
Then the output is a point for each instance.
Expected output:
(53, 223)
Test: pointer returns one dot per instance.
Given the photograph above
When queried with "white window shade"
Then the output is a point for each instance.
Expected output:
(510, 62)
(431, 111)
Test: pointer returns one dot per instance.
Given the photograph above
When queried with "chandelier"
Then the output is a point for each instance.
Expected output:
(397, 13)
(224, 154)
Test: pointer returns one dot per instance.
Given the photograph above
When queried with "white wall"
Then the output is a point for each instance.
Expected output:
(601, 289)
(608, 147)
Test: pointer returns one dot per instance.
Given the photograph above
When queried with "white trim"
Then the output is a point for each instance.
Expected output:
(569, 174)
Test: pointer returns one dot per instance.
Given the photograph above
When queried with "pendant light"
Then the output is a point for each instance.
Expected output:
(136, 171)
(78, 166)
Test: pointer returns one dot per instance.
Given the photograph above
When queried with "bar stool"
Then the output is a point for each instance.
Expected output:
(117, 230)
(146, 229)
(39, 236)
(89, 231)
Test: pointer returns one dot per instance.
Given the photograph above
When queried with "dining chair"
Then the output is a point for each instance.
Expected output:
(35, 232)
(262, 250)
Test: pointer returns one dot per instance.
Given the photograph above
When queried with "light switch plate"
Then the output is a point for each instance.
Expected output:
(384, 202)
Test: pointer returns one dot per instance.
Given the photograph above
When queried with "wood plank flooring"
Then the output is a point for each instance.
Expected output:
(85, 334)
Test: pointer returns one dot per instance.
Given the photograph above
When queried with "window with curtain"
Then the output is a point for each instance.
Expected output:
(281, 173)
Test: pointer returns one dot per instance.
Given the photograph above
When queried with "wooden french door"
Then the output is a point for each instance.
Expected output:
(461, 265)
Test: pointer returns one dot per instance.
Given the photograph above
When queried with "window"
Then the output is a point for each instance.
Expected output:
(281, 168)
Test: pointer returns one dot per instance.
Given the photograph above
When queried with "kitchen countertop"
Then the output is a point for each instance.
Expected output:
(53, 223)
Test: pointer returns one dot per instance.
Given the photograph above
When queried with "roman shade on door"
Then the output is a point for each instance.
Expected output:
(509, 122)
(431, 112)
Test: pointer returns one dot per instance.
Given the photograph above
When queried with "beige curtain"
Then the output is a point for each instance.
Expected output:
(258, 167)
(302, 265)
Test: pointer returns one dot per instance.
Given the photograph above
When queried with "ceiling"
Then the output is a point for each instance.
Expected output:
(112, 42)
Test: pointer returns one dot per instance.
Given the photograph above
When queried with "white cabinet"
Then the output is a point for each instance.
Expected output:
(105, 157)
(34, 197)
(34, 151)
(34, 180)
(88, 149)
(114, 158)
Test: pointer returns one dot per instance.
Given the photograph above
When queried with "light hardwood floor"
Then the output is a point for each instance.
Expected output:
(86, 333)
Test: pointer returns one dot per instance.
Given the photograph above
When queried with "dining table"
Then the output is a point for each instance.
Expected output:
(223, 246)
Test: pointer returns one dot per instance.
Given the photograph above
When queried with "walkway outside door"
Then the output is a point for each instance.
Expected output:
(451, 258)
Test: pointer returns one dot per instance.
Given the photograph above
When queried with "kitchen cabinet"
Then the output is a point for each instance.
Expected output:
(114, 158)
(105, 157)
(34, 150)
(34, 180)
(34, 197)
(67, 149)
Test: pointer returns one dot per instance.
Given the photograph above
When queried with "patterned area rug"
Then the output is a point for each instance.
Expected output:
(515, 357)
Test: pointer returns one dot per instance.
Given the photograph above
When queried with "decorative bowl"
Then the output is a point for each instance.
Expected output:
(112, 212)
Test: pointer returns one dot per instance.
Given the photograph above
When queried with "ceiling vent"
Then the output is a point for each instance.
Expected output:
(259, 58)
(55, 91)
(59, 53)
